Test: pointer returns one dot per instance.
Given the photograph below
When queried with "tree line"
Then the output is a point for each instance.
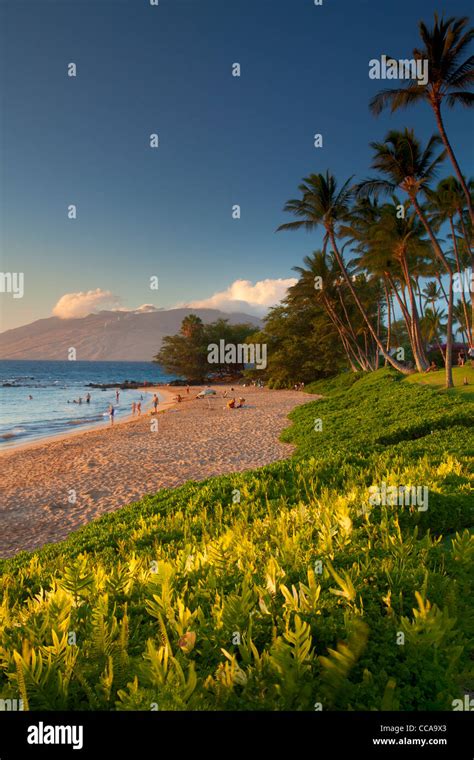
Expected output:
(396, 243)
(392, 223)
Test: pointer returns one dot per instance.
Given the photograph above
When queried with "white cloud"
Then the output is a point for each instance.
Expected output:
(243, 295)
(73, 305)
(145, 308)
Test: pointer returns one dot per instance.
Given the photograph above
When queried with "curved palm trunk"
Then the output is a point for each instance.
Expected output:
(389, 318)
(345, 339)
(421, 364)
(420, 356)
(420, 298)
(395, 364)
(440, 283)
(377, 355)
(440, 348)
(364, 357)
(439, 253)
(439, 121)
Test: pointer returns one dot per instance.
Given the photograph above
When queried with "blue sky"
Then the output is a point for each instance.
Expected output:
(223, 140)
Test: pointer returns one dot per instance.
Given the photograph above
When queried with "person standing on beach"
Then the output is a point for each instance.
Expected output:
(134, 407)
(139, 408)
(156, 401)
(111, 413)
(117, 396)
(187, 389)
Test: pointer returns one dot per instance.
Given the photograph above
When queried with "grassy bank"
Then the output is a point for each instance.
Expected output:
(280, 588)
(463, 379)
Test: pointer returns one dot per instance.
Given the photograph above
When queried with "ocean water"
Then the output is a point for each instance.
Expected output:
(52, 384)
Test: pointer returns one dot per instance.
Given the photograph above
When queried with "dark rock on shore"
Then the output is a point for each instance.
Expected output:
(124, 385)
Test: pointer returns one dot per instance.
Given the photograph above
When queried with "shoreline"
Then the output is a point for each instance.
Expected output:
(94, 427)
(53, 487)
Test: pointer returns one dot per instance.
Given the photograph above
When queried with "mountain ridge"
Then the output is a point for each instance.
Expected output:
(106, 335)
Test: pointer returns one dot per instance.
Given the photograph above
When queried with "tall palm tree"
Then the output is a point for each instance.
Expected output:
(450, 78)
(445, 203)
(409, 167)
(322, 203)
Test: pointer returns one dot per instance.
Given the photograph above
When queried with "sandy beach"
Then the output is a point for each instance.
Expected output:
(110, 467)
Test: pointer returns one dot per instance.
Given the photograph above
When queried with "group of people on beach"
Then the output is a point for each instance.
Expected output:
(136, 407)
(79, 400)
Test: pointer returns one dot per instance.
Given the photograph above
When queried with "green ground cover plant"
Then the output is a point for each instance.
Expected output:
(282, 588)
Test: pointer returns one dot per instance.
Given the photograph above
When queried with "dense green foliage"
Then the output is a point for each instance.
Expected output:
(316, 352)
(292, 598)
(186, 354)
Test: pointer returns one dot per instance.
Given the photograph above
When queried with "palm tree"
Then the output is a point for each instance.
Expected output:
(409, 167)
(433, 327)
(459, 317)
(320, 278)
(191, 325)
(444, 203)
(323, 204)
(449, 80)
(392, 248)
(432, 293)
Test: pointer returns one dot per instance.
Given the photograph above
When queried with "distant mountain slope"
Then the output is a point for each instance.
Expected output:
(106, 336)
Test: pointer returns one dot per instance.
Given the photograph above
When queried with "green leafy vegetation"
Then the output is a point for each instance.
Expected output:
(282, 588)
(186, 354)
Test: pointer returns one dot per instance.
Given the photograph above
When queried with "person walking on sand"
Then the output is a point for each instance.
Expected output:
(156, 401)
(187, 389)
(111, 413)
(139, 408)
